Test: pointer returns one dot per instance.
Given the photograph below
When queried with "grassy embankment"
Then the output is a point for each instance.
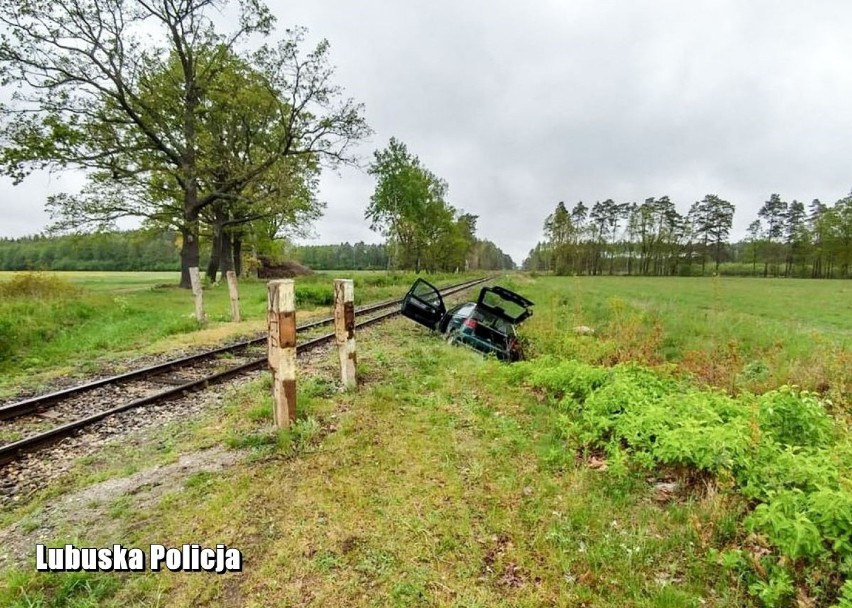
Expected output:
(452, 480)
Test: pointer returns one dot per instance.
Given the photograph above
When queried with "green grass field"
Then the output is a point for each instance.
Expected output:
(733, 333)
(578, 478)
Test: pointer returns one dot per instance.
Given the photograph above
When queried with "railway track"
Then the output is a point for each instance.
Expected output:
(40, 421)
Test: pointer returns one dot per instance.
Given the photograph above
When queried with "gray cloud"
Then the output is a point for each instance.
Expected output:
(518, 107)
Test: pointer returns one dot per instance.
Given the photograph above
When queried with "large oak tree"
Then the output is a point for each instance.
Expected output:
(125, 89)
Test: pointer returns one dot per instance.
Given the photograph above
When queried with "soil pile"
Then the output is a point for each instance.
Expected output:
(281, 270)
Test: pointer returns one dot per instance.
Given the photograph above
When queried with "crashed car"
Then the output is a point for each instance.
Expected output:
(487, 325)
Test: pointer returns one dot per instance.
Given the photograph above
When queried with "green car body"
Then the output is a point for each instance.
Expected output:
(487, 325)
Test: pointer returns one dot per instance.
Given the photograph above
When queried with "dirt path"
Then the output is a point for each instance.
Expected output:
(89, 508)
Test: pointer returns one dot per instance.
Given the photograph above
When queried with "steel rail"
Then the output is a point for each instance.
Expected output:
(11, 451)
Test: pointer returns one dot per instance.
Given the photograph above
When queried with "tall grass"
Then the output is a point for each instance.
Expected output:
(35, 309)
(46, 321)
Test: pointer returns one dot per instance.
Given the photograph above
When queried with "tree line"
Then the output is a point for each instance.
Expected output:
(484, 255)
(654, 238)
(148, 250)
(216, 134)
(131, 250)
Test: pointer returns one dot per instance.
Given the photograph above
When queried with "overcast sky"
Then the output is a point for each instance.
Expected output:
(520, 105)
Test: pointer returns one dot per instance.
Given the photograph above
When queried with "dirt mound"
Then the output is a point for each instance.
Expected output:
(281, 270)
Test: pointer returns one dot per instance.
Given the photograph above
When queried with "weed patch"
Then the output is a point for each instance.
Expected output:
(73, 590)
(781, 450)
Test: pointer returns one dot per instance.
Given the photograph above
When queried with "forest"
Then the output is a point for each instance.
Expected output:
(158, 251)
(654, 238)
(483, 255)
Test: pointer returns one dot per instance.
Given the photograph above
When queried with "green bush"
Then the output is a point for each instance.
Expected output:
(565, 377)
(794, 418)
(784, 520)
(314, 295)
(37, 285)
(771, 468)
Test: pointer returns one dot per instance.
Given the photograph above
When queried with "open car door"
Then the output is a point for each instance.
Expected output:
(506, 304)
(423, 304)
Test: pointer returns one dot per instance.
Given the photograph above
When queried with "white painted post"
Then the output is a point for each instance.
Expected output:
(234, 292)
(281, 351)
(195, 281)
(344, 330)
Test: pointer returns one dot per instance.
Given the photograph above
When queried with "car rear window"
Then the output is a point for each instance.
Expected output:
(487, 319)
(501, 306)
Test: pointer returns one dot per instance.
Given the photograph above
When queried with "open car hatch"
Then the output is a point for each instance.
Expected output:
(423, 304)
(506, 304)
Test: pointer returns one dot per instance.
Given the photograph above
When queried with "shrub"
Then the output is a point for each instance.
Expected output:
(566, 377)
(314, 295)
(36, 285)
(785, 522)
(796, 419)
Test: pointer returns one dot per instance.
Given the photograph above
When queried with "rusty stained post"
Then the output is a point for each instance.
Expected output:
(195, 281)
(344, 330)
(234, 293)
(281, 349)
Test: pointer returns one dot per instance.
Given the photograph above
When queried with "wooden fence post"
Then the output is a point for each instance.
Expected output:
(344, 330)
(195, 281)
(281, 352)
(234, 292)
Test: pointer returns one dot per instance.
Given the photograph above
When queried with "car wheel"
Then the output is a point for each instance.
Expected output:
(452, 336)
